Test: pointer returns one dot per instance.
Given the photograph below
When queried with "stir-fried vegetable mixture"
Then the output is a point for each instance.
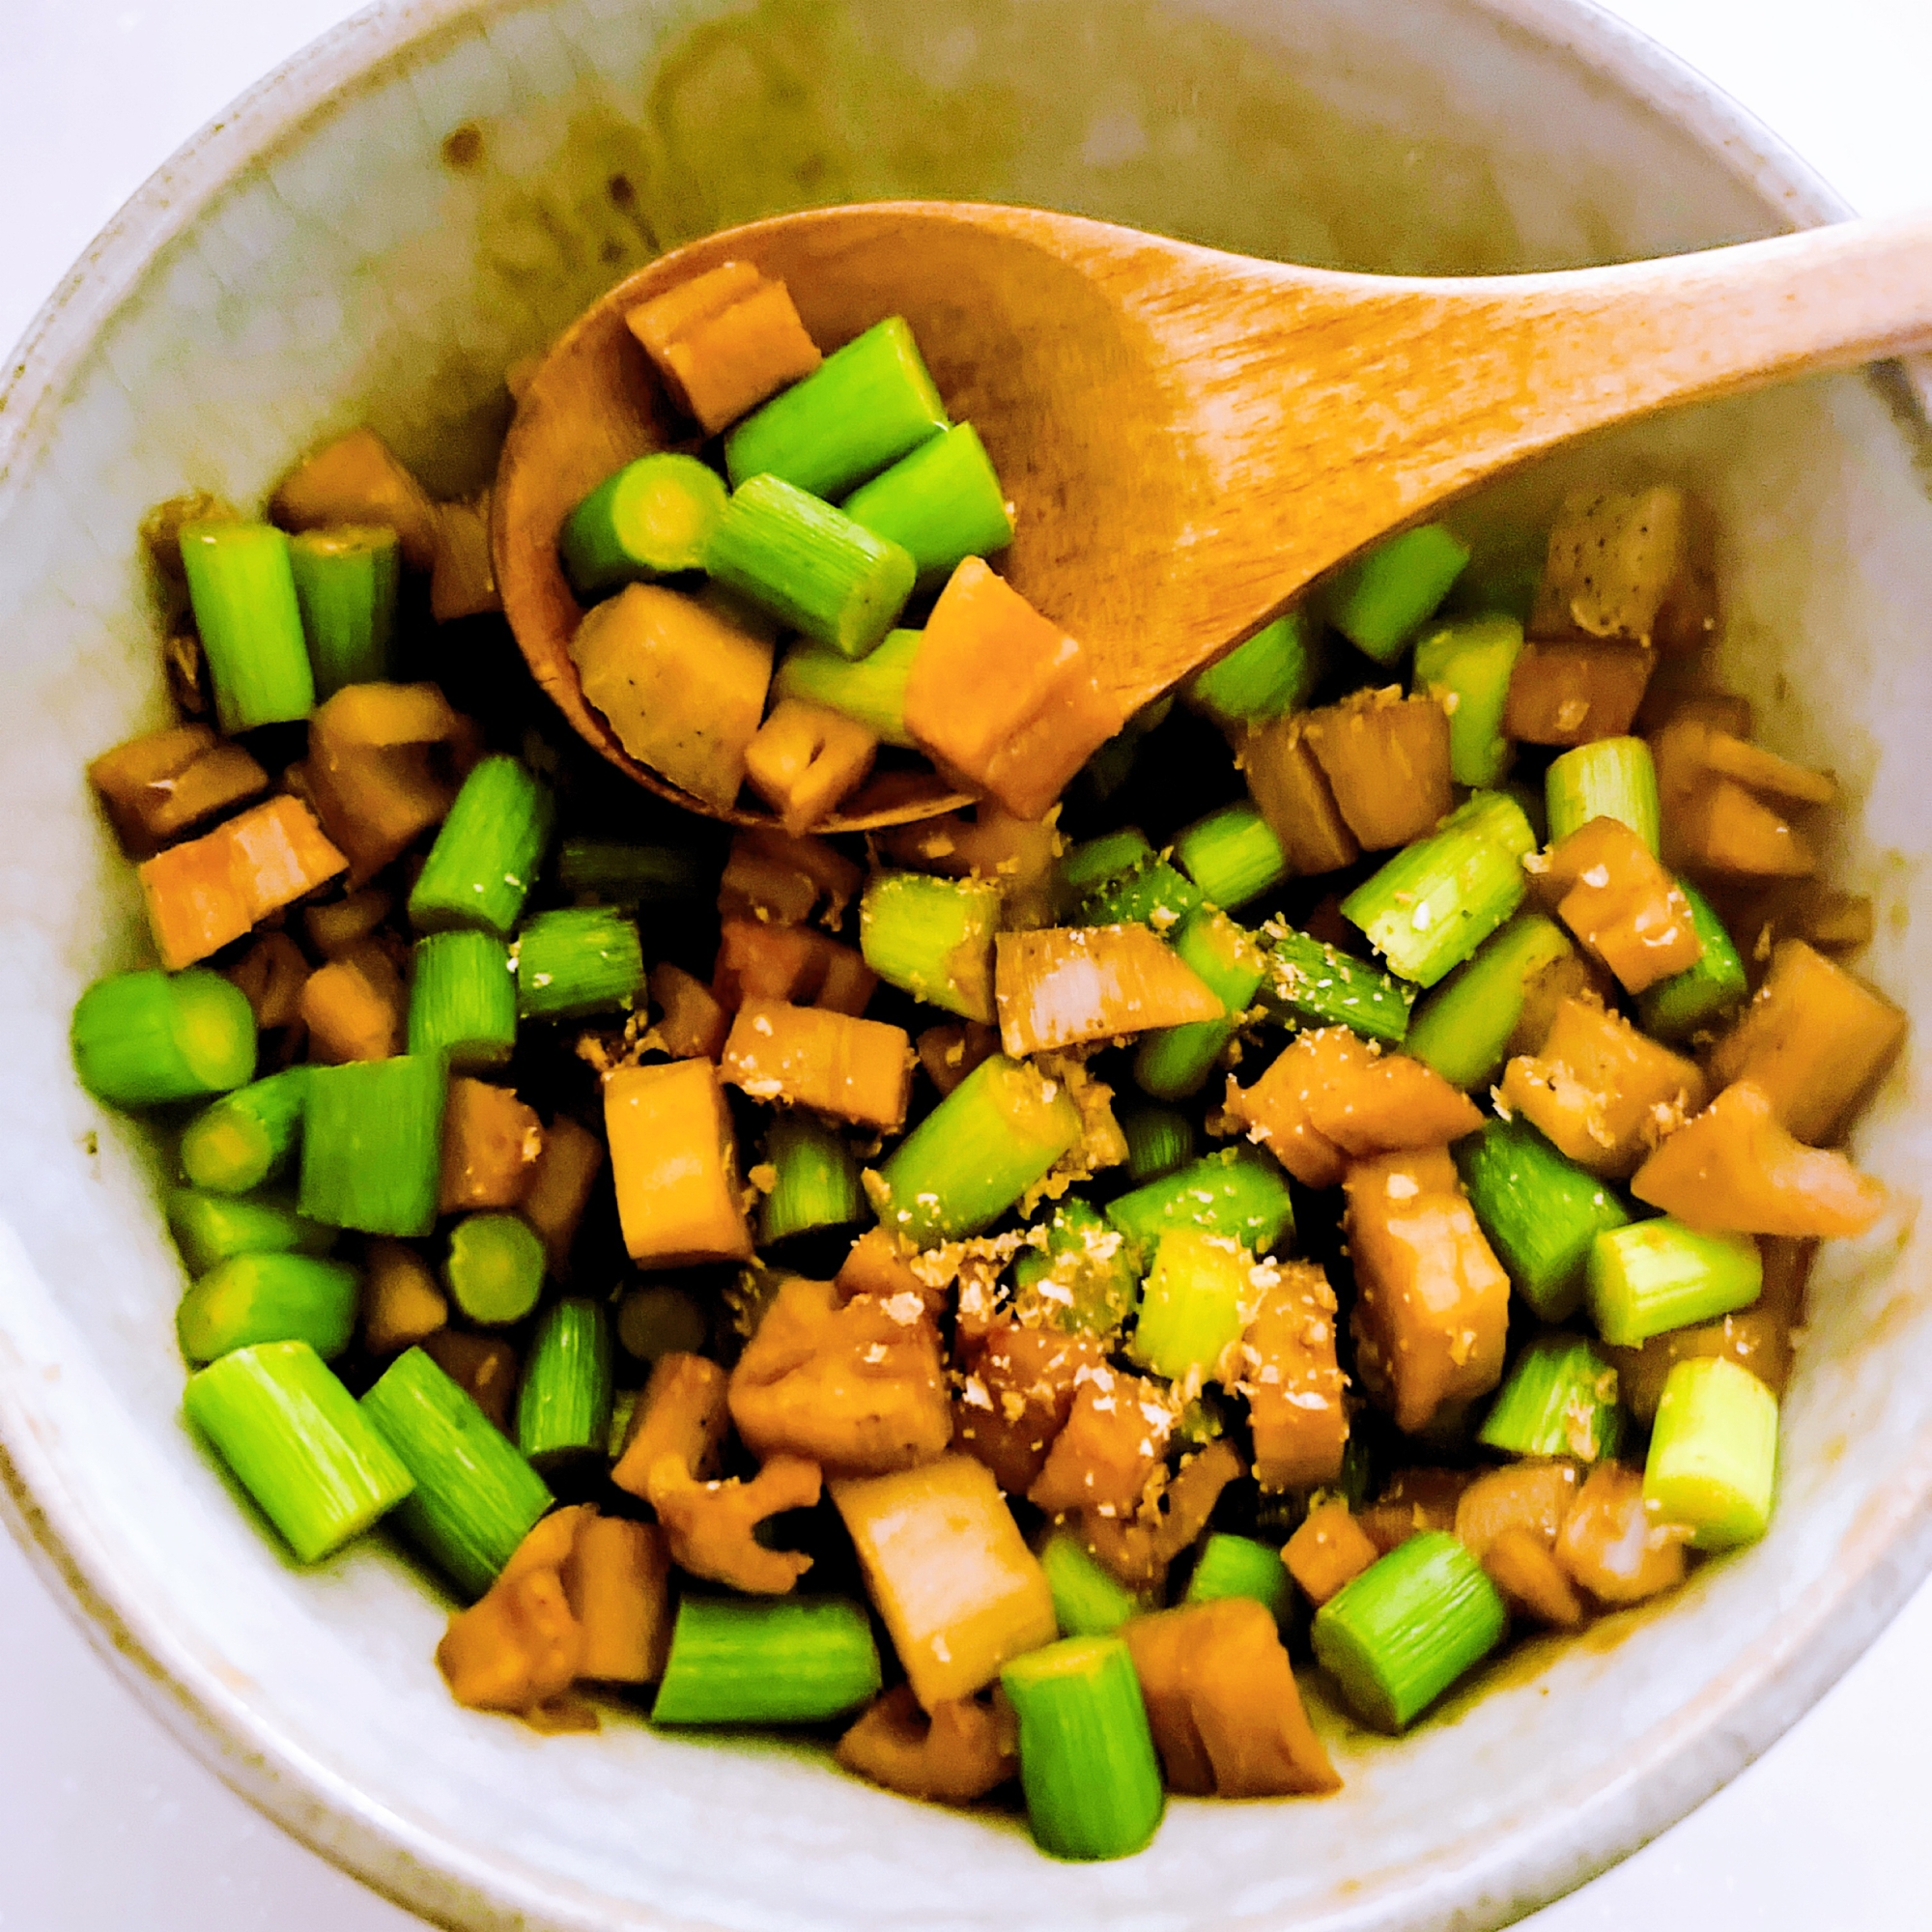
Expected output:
(1308, 1179)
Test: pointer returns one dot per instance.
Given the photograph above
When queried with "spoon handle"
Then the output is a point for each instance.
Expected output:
(1503, 368)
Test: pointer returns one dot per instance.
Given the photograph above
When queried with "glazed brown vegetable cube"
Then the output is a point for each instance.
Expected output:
(1113, 1441)
(1606, 888)
(1067, 984)
(357, 480)
(959, 1753)
(1610, 1544)
(213, 890)
(1333, 1094)
(1433, 1306)
(1604, 1093)
(401, 1304)
(1002, 696)
(789, 963)
(1531, 1580)
(271, 974)
(355, 1007)
(158, 787)
(484, 1366)
(1222, 1702)
(1413, 1501)
(617, 1581)
(1630, 565)
(1734, 1169)
(680, 682)
(674, 1158)
(340, 926)
(1815, 1039)
(1291, 1382)
(1529, 1496)
(1386, 760)
(520, 1645)
(682, 1412)
(946, 1568)
(558, 1189)
(857, 1071)
(805, 761)
(492, 1144)
(1139, 1549)
(372, 773)
(878, 1265)
(950, 1052)
(1291, 792)
(1573, 692)
(725, 342)
(1016, 1397)
(462, 579)
(778, 879)
(691, 1025)
(1330, 1549)
(858, 1386)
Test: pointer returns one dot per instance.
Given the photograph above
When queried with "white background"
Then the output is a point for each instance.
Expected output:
(106, 1822)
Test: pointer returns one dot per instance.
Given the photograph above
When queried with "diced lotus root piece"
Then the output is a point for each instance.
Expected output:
(1432, 1310)
(709, 1527)
(1630, 565)
(723, 342)
(1068, 984)
(1601, 1091)
(1386, 760)
(858, 1386)
(1607, 889)
(1290, 1377)
(1734, 1170)
(1001, 697)
(856, 1071)
(958, 1754)
(1222, 1703)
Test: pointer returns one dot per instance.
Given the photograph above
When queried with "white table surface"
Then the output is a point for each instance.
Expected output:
(107, 1822)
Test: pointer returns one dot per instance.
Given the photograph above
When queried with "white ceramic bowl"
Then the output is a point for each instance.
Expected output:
(326, 254)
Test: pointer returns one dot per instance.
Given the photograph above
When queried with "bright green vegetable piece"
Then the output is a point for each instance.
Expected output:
(1540, 1211)
(1654, 1277)
(578, 961)
(246, 1137)
(1608, 777)
(941, 504)
(1407, 1628)
(1379, 603)
(814, 1180)
(463, 1000)
(141, 1038)
(346, 582)
(1469, 664)
(209, 1227)
(372, 1144)
(485, 859)
(654, 517)
(863, 408)
(1701, 995)
(1310, 984)
(1436, 901)
(1238, 1192)
(1175, 1062)
(1273, 672)
(1087, 1759)
(1713, 1462)
(563, 1406)
(297, 1443)
(1232, 855)
(1191, 1305)
(1237, 1565)
(1559, 1398)
(933, 938)
(870, 689)
(268, 1297)
(241, 584)
(475, 1497)
(495, 1267)
(1088, 1598)
(767, 1661)
(1462, 1028)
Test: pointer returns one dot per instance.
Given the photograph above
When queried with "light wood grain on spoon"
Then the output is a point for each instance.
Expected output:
(1189, 437)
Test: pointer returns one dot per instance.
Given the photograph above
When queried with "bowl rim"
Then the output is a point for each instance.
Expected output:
(1583, 1829)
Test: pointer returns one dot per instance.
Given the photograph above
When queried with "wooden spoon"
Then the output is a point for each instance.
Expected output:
(1190, 437)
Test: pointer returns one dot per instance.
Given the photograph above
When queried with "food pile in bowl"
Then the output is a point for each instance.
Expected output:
(1320, 1173)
